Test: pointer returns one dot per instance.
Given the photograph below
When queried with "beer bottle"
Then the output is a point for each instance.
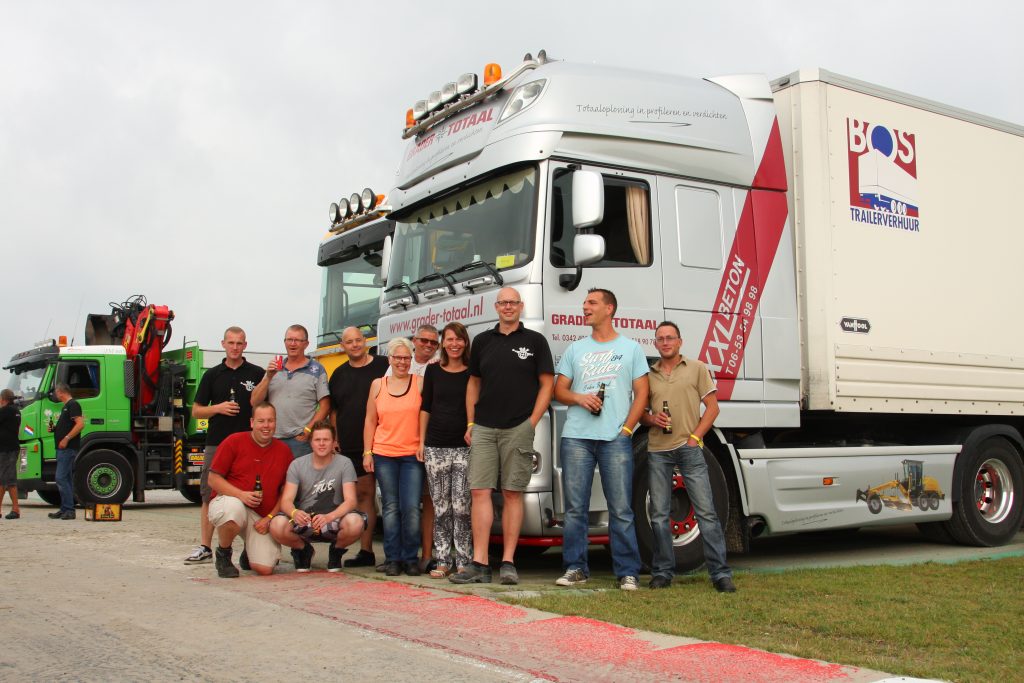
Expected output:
(664, 409)
(231, 396)
(259, 484)
(600, 395)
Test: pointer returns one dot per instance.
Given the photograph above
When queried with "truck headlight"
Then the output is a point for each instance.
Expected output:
(522, 98)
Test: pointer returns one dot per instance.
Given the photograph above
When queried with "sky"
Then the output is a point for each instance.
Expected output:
(189, 151)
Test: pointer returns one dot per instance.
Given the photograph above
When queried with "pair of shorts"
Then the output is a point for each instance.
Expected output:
(329, 533)
(501, 457)
(262, 549)
(8, 468)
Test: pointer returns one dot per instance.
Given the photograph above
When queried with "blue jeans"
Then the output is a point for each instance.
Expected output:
(299, 448)
(615, 460)
(65, 470)
(401, 487)
(698, 486)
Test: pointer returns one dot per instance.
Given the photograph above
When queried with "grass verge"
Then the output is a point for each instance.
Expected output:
(958, 622)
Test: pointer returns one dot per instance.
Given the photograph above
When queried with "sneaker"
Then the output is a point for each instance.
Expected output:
(364, 558)
(200, 555)
(55, 515)
(412, 568)
(508, 574)
(474, 573)
(571, 577)
(725, 585)
(303, 558)
(13, 515)
(68, 515)
(334, 558)
(382, 567)
(629, 583)
(225, 569)
(392, 569)
(243, 561)
(659, 582)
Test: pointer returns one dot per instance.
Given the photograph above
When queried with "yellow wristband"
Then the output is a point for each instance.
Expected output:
(307, 429)
(627, 430)
(292, 516)
(700, 442)
(470, 424)
(270, 516)
(366, 453)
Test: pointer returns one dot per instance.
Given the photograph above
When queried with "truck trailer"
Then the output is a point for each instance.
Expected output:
(839, 254)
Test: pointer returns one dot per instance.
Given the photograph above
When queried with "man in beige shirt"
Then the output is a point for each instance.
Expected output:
(677, 438)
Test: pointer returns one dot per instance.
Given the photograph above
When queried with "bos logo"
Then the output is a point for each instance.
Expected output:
(883, 175)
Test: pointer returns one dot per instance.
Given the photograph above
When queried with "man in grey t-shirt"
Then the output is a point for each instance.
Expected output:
(318, 503)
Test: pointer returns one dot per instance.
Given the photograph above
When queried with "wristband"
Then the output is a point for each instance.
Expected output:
(627, 430)
(270, 516)
(366, 453)
(307, 429)
(700, 442)
(292, 516)
(470, 424)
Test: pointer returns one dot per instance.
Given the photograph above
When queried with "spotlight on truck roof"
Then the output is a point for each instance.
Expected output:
(344, 210)
(434, 101)
(522, 97)
(419, 110)
(448, 93)
(466, 85)
(355, 201)
(335, 213)
(368, 199)
(492, 74)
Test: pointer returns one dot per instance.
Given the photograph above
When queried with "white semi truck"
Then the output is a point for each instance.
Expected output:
(844, 257)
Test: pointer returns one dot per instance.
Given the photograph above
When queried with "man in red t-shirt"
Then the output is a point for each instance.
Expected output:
(239, 508)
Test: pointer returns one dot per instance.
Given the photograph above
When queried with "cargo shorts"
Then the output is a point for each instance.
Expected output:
(261, 549)
(501, 458)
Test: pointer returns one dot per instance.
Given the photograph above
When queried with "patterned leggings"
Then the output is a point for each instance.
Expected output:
(448, 478)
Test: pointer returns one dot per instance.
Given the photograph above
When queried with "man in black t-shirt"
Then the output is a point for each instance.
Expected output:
(10, 423)
(67, 442)
(511, 376)
(350, 390)
(222, 398)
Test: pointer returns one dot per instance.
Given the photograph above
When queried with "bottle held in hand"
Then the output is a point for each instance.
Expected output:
(231, 396)
(600, 395)
(664, 409)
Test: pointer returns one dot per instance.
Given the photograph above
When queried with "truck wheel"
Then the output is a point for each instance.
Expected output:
(874, 504)
(50, 497)
(922, 502)
(990, 509)
(103, 476)
(191, 494)
(933, 501)
(686, 539)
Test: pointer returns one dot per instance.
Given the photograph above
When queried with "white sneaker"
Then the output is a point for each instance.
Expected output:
(572, 577)
(200, 555)
(629, 583)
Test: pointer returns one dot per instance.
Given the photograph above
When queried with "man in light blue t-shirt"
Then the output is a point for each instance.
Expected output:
(600, 433)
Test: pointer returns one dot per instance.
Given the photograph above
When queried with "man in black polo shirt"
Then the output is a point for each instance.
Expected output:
(223, 398)
(511, 376)
(350, 389)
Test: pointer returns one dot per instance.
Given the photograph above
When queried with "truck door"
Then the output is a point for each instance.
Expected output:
(701, 277)
(84, 381)
(629, 268)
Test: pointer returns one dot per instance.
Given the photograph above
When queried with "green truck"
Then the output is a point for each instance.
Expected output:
(136, 398)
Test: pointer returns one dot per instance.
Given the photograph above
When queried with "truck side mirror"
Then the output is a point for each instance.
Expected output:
(385, 263)
(587, 199)
(587, 249)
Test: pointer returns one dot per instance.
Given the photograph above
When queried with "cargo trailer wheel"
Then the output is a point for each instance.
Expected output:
(687, 543)
(191, 494)
(103, 476)
(874, 504)
(989, 510)
(50, 497)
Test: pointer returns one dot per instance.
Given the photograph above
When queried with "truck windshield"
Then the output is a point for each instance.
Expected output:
(24, 382)
(350, 294)
(491, 221)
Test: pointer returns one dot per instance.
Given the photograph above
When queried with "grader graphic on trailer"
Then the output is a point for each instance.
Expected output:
(904, 494)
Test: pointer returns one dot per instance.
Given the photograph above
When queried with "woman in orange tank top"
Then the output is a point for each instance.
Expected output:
(391, 435)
